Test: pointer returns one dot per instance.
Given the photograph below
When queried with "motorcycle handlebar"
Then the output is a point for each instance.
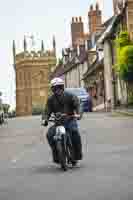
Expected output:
(66, 115)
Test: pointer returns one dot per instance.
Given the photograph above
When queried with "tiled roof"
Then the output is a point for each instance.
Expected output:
(93, 67)
(62, 69)
(83, 57)
(110, 29)
(58, 71)
(107, 22)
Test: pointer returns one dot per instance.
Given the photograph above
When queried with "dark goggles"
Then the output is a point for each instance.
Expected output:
(57, 88)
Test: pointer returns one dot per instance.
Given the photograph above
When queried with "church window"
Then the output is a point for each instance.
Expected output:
(29, 77)
(26, 100)
(42, 77)
(20, 76)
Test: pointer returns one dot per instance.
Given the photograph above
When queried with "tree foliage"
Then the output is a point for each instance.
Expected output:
(122, 40)
(37, 110)
(60, 61)
(124, 56)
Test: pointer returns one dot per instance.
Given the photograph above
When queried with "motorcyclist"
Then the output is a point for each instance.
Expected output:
(64, 102)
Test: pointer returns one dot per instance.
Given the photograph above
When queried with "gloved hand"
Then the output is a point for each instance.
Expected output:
(45, 123)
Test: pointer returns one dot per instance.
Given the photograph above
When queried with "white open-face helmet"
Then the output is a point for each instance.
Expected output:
(57, 81)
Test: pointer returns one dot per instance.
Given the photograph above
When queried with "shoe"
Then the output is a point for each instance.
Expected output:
(74, 163)
(78, 156)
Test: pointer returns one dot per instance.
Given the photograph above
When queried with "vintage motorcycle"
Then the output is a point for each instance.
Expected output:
(63, 141)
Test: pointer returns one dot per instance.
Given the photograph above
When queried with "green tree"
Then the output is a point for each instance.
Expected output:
(60, 61)
(124, 65)
(37, 110)
(122, 40)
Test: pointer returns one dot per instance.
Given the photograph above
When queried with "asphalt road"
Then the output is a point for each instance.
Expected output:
(106, 172)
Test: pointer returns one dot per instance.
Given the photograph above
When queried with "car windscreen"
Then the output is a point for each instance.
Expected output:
(77, 92)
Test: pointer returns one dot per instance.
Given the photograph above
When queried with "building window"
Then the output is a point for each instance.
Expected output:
(20, 76)
(24, 76)
(29, 77)
(26, 100)
(42, 77)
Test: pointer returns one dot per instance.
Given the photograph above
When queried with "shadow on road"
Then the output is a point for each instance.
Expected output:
(54, 169)
(46, 169)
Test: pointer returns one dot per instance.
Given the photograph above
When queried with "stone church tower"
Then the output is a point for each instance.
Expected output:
(32, 71)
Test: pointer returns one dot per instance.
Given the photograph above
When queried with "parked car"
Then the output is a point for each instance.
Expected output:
(84, 98)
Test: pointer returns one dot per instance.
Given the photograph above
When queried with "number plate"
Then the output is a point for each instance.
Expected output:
(60, 130)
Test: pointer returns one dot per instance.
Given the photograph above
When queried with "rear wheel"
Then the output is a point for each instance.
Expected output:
(61, 155)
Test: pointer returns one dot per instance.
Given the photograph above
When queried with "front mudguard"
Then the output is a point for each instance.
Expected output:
(61, 154)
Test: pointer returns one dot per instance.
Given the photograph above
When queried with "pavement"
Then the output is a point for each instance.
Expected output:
(124, 111)
(105, 173)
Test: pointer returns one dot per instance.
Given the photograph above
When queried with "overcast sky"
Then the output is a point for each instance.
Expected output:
(43, 19)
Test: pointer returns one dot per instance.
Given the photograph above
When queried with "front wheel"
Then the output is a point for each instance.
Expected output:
(61, 155)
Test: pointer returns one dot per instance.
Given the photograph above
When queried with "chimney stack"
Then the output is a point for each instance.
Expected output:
(94, 18)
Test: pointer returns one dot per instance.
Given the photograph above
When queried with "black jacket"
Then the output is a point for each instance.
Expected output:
(68, 104)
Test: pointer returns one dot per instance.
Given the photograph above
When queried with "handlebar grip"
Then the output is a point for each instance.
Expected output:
(51, 120)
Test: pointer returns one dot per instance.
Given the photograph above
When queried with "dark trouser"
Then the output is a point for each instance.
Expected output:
(72, 128)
